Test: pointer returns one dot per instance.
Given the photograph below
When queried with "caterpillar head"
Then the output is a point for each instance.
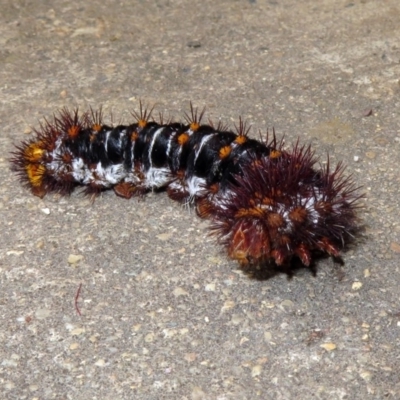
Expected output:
(281, 207)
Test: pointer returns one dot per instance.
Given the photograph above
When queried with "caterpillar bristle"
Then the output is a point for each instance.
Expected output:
(194, 118)
(243, 128)
(219, 127)
(268, 205)
(143, 116)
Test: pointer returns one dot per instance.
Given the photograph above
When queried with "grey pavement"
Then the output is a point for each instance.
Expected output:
(164, 313)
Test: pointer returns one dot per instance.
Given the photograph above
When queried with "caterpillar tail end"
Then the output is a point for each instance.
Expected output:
(28, 162)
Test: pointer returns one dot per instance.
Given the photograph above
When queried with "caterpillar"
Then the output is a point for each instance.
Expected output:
(268, 205)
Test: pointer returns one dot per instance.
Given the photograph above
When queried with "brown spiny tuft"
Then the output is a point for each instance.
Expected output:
(294, 208)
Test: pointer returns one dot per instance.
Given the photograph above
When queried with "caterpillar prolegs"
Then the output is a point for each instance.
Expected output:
(268, 205)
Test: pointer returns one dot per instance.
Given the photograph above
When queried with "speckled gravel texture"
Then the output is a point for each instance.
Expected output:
(165, 314)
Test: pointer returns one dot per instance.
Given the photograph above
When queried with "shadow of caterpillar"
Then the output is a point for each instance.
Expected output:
(268, 205)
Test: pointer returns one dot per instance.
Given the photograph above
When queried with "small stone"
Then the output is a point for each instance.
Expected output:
(9, 385)
(268, 336)
(370, 154)
(77, 331)
(15, 252)
(269, 305)
(164, 236)
(74, 258)
(356, 285)
(287, 304)
(74, 346)
(169, 333)
(180, 292)
(244, 339)
(42, 313)
(367, 112)
(395, 247)
(228, 305)
(367, 273)
(9, 363)
(366, 375)
(100, 363)
(190, 357)
(328, 346)
(45, 211)
(195, 44)
(149, 337)
(210, 287)
(256, 371)
(236, 319)
(198, 394)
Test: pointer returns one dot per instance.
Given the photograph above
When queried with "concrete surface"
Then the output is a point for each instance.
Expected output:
(165, 314)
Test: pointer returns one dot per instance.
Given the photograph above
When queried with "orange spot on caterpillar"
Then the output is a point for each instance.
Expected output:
(275, 220)
(183, 138)
(96, 127)
(73, 131)
(194, 126)
(240, 139)
(142, 123)
(224, 152)
(275, 154)
(298, 215)
(134, 136)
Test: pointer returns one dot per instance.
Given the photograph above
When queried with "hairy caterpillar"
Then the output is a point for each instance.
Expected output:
(267, 205)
